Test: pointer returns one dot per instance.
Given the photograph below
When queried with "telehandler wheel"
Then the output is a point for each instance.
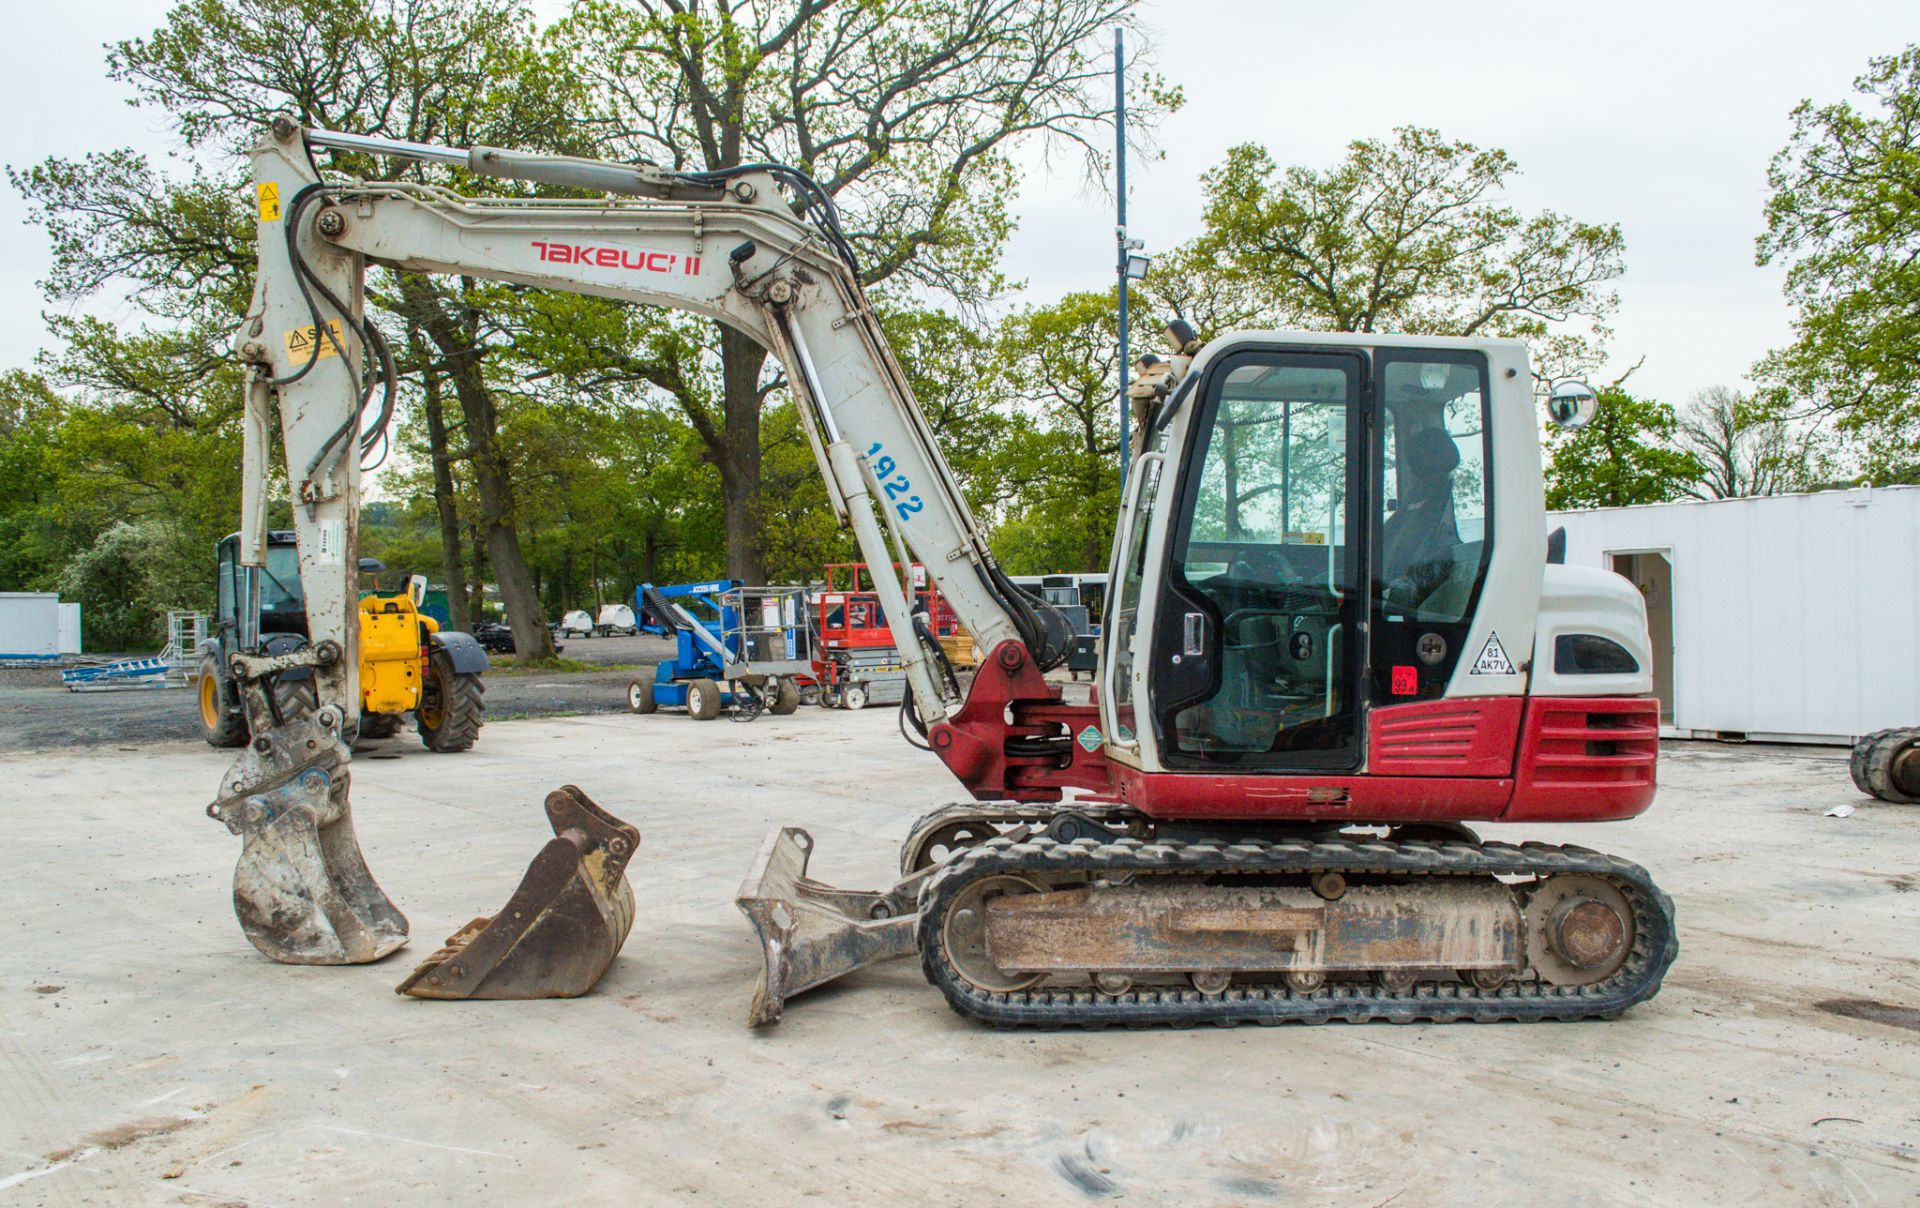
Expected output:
(219, 725)
(703, 699)
(380, 725)
(640, 698)
(296, 697)
(855, 697)
(786, 698)
(452, 706)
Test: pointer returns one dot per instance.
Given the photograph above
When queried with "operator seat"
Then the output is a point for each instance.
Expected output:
(1418, 542)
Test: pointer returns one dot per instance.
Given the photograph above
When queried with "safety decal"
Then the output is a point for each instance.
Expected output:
(269, 201)
(1406, 681)
(1493, 659)
(300, 343)
(1089, 739)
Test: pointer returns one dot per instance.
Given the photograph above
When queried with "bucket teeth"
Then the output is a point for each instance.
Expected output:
(301, 888)
(811, 933)
(562, 927)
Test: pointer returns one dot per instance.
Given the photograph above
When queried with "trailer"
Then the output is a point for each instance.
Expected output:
(615, 620)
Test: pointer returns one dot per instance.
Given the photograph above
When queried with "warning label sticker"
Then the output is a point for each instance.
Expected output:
(269, 201)
(1493, 659)
(300, 343)
(1090, 739)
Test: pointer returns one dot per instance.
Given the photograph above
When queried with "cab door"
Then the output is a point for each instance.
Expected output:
(1258, 645)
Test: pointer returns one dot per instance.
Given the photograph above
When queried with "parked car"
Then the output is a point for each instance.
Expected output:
(575, 624)
(497, 636)
(494, 637)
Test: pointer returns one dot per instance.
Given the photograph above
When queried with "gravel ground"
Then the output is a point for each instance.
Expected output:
(37, 713)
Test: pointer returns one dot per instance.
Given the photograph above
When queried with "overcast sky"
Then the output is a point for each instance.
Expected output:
(1658, 116)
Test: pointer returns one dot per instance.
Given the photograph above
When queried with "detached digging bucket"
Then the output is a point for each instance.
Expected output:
(811, 933)
(560, 930)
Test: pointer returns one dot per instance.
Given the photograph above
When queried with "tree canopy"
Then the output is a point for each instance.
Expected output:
(1844, 217)
(1403, 235)
(553, 450)
(1625, 456)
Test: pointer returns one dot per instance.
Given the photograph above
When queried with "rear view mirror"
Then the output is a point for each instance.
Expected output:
(1572, 405)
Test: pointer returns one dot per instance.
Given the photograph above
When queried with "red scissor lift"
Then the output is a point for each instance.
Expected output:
(854, 657)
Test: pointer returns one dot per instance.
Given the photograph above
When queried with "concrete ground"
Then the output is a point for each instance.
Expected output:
(149, 1055)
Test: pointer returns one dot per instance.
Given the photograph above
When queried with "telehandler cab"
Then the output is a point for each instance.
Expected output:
(1334, 645)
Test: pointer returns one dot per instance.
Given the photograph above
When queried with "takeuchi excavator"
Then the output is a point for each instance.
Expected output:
(1335, 645)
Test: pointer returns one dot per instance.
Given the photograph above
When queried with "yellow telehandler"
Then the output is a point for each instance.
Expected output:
(408, 664)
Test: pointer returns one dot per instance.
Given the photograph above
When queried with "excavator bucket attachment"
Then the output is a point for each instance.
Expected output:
(301, 888)
(560, 930)
(811, 933)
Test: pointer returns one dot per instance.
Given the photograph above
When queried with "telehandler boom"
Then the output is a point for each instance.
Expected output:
(1334, 641)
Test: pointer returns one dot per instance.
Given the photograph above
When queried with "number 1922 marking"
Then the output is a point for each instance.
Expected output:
(897, 487)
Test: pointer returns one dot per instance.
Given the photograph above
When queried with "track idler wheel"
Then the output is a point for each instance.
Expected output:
(1579, 930)
(560, 930)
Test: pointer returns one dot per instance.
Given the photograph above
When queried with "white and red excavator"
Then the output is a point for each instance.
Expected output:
(1335, 643)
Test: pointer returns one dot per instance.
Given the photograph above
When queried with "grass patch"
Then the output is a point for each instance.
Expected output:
(506, 664)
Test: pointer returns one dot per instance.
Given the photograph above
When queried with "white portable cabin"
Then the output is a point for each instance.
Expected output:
(1788, 618)
(36, 625)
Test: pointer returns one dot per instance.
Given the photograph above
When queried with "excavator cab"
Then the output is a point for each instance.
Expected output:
(1309, 545)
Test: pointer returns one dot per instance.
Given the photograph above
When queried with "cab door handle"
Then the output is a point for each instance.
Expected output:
(1194, 634)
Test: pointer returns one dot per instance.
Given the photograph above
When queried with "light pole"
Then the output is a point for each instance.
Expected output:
(1129, 264)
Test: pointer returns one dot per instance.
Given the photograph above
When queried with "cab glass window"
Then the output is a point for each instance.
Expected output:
(1434, 535)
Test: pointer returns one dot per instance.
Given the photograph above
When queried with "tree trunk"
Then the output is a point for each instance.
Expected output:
(491, 474)
(452, 564)
(477, 599)
(741, 360)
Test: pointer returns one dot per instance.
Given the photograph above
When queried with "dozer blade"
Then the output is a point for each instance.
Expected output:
(811, 933)
(301, 888)
(560, 930)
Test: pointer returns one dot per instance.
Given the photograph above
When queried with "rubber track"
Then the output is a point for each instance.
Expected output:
(1003, 814)
(1655, 943)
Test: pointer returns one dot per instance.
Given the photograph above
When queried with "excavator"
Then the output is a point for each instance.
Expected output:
(1336, 644)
